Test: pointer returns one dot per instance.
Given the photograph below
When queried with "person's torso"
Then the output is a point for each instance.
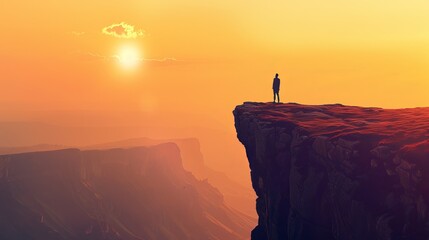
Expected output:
(276, 82)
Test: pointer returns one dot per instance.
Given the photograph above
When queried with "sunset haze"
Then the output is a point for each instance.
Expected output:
(192, 61)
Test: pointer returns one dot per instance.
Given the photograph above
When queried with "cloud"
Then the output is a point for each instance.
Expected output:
(123, 30)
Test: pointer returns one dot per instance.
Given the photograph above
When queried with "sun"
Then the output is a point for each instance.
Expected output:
(129, 57)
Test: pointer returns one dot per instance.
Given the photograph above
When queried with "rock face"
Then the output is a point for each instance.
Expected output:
(337, 172)
(235, 195)
(127, 194)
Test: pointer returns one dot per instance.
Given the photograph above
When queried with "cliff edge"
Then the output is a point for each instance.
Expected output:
(115, 194)
(337, 172)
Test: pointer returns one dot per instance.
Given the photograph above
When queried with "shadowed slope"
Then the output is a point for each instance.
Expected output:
(138, 193)
(236, 195)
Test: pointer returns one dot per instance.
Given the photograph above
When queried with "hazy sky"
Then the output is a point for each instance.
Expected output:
(178, 59)
(210, 55)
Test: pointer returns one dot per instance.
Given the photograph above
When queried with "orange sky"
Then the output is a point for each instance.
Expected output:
(204, 57)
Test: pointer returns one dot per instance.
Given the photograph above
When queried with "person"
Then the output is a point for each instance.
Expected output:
(276, 88)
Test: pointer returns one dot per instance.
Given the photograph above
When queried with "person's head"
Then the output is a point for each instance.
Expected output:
(277, 74)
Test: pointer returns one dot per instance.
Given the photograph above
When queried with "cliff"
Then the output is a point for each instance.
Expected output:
(337, 172)
(235, 195)
(127, 194)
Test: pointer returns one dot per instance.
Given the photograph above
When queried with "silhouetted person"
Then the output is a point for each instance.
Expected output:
(276, 88)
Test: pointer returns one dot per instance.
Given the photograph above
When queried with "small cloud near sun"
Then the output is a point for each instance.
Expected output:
(122, 30)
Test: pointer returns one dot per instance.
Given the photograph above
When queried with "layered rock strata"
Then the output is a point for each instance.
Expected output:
(337, 172)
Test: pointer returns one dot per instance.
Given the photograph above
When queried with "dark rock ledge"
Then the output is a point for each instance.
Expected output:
(337, 172)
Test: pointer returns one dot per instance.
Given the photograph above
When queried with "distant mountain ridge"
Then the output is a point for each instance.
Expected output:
(32, 148)
(136, 193)
(236, 195)
(83, 128)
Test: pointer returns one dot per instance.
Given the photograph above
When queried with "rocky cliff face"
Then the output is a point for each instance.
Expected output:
(337, 172)
(235, 195)
(129, 194)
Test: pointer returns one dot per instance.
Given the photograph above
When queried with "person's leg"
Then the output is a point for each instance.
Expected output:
(274, 93)
(278, 97)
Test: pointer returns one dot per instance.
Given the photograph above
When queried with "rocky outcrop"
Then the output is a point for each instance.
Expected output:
(236, 196)
(127, 194)
(337, 172)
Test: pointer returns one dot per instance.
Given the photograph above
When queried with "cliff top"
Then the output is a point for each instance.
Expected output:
(403, 129)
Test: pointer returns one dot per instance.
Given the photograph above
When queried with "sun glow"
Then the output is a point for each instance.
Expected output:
(129, 57)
